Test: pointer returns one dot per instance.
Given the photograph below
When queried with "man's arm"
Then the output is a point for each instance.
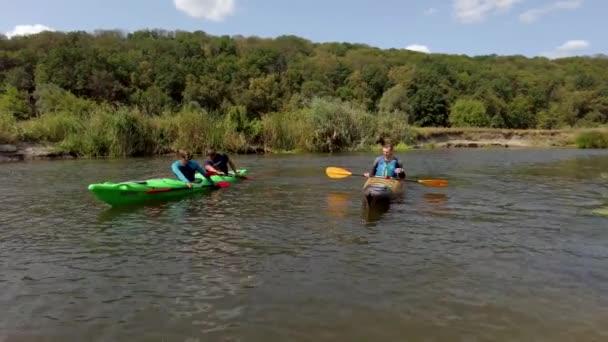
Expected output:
(401, 173)
(374, 167)
(210, 168)
(178, 173)
(202, 171)
(231, 163)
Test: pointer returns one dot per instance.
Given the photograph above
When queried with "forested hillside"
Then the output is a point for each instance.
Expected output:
(123, 94)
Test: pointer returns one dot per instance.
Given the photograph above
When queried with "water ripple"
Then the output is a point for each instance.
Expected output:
(508, 251)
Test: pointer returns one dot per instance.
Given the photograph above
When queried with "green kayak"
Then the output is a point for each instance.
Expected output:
(132, 192)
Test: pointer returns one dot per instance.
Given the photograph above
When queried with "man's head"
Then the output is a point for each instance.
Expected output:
(387, 150)
(184, 156)
(211, 153)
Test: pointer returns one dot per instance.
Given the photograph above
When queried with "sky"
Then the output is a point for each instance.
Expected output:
(550, 28)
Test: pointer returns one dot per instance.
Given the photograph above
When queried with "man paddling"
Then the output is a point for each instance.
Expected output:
(387, 165)
(218, 162)
(185, 168)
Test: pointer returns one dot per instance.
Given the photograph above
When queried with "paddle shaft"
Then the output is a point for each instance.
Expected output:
(400, 179)
(337, 172)
(427, 182)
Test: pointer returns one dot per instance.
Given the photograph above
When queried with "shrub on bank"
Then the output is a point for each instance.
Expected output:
(593, 139)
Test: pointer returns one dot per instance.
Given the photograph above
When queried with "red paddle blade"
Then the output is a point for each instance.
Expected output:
(222, 185)
(210, 173)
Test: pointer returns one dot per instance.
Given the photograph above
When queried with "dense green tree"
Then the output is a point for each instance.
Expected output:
(160, 70)
(15, 102)
(469, 113)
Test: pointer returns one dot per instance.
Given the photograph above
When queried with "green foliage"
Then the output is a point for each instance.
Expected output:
(547, 119)
(188, 129)
(469, 113)
(15, 102)
(152, 101)
(311, 89)
(168, 89)
(395, 100)
(52, 127)
(592, 139)
(336, 125)
(52, 99)
(430, 94)
(20, 78)
(286, 131)
(394, 126)
(8, 129)
(519, 113)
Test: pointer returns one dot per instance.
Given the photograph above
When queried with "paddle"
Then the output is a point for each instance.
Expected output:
(336, 172)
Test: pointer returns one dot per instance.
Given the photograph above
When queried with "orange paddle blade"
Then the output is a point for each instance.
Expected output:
(336, 172)
(440, 183)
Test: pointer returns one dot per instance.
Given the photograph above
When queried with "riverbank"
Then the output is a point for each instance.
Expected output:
(507, 138)
(28, 151)
(421, 138)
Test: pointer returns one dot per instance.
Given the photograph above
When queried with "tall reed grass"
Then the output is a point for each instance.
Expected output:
(323, 125)
(592, 139)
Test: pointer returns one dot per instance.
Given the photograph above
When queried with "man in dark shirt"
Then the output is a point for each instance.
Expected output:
(218, 162)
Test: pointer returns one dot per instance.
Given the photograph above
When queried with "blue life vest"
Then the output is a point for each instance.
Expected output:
(385, 168)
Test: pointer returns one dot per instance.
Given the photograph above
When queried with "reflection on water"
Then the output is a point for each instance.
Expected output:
(435, 198)
(601, 211)
(338, 204)
(513, 249)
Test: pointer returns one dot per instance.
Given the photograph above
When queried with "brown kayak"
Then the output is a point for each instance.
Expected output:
(381, 191)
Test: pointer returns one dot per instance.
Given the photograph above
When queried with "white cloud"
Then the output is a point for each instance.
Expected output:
(214, 10)
(430, 11)
(419, 48)
(24, 30)
(470, 11)
(534, 14)
(568, 49)
(574, 45)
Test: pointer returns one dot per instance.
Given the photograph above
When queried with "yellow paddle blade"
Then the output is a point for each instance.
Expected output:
(336, 172)
(440, 183)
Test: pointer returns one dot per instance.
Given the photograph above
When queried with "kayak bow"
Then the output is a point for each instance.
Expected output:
(381, 191)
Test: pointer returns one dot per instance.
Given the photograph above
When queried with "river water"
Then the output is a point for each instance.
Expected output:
(510, 251)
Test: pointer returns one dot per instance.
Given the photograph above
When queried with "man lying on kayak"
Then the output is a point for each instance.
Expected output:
(387, 164)
(185, 168)
(218, 162)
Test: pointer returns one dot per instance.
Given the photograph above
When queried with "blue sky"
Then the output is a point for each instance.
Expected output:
(552, 28)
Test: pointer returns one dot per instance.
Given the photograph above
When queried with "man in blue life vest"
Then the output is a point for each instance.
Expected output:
(387, 165)
(218, 162)
(185, 168)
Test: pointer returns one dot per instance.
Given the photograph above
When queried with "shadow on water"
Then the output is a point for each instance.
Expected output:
(374, 213)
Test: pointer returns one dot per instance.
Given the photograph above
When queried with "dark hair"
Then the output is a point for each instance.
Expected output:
(211, 152)
(384, 143)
